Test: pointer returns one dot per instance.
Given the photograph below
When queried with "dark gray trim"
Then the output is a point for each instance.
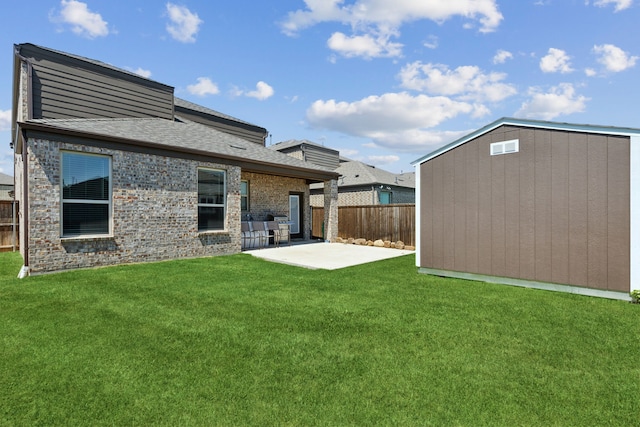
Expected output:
(546, 286)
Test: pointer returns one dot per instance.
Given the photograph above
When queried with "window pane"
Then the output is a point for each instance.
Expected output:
(244, 195)
(85, 218)
(85, 177)
(210, 187)
(210, 218)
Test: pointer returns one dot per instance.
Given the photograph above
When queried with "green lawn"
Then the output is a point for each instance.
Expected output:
(236, 340)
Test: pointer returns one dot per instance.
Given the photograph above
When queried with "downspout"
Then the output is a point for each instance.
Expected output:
(24, 271)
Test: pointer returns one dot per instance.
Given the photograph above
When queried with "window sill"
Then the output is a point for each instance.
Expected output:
(87, 238)
(212, 232)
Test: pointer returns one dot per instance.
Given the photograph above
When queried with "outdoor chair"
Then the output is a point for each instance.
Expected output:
(247, 234)
(261, 233)
(274, 229)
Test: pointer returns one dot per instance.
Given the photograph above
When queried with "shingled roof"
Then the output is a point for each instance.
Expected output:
(182, 137)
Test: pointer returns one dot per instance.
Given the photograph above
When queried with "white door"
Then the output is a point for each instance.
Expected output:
(294, 213)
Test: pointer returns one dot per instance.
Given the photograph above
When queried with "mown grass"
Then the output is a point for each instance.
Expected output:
(236, 340)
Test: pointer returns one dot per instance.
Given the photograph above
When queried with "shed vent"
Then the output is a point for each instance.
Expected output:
(505, 147)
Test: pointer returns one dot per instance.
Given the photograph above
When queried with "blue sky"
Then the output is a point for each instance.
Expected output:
(383, 81)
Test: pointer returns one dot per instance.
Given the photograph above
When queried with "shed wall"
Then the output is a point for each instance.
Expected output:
(557, 211)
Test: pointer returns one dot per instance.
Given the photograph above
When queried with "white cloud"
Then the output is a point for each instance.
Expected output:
(397, 120)
(613, 58)
(184, 24)
(374, 22)
(556, 61)
(431, 42)
(204, 87)
(262, 92)
(383, 160)
(501, 56)
(559, 100)
(83, 22)
(392, 13)
(5, 120)
(366, 46)
(468, 83)
(619, 4)
(590, 72)
(142, 72)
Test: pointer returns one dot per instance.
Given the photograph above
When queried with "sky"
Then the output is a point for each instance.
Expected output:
(382, 81)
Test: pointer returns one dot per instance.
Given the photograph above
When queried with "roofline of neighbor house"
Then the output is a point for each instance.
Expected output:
(540, 124)
(250, 164)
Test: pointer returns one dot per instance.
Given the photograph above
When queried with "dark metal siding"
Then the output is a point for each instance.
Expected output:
(557, 211)
(66, 87)
(320, 157)
(245, 131)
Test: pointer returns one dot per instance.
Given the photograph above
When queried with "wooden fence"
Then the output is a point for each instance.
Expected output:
(372, 222)
(6, 226)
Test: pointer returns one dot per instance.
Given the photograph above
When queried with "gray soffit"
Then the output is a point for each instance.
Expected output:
(185, 137)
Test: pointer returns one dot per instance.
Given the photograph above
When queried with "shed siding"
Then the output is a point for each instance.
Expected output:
(557, 211)
(65, 87)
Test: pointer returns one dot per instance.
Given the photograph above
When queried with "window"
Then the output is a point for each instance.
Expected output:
(505, 147)
(86, 194)
(385, 197)
(244, 196)
(211, 199)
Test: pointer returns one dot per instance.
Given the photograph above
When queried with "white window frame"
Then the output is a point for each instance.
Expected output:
(64, 201)
(223, 205)
(505, 147)
(242, 196)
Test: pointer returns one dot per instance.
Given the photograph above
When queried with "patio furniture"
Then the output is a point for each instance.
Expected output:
(261, 233)
(274, 230)
(247, 234)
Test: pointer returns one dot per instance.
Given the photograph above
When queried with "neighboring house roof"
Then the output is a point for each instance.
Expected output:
(354, 174)
(283, 145)
(185, 137)
(541, 124)
(6, 179)
(6, 185)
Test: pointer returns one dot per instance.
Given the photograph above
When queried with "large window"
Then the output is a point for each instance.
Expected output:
(86, 194)
(211, 199)
(244, 196)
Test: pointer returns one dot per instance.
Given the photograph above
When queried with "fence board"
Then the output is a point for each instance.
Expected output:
(6, 226)
(372, 222)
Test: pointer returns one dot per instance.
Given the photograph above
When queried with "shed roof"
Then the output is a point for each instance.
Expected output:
(540, 124)
(183, 137)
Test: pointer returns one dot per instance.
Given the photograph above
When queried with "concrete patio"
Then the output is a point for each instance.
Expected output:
(327, 256)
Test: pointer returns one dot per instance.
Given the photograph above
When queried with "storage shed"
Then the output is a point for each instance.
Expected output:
(534, 203)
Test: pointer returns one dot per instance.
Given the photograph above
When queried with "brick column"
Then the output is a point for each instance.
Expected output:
(331, 210)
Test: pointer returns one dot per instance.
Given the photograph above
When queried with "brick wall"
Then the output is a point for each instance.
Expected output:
(269, 194)
(154, 205)
(364, 196)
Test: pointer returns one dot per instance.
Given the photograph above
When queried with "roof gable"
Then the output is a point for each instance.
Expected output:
(539, 124)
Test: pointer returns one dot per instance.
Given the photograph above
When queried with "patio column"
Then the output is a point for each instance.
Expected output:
(331, 210)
